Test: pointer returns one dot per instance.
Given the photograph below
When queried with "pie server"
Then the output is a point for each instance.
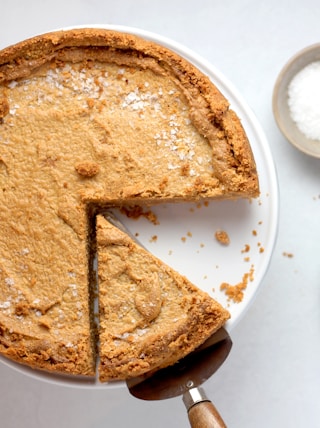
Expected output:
(185, 377)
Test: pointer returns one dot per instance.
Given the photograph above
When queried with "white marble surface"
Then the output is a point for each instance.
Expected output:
(272, 377)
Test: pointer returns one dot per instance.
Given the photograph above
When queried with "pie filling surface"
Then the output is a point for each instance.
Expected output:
(89, 119)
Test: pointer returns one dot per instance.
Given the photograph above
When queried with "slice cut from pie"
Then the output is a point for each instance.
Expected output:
(150, 315)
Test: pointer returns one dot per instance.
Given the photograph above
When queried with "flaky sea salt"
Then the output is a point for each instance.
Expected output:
(5, 305)
(304, 100)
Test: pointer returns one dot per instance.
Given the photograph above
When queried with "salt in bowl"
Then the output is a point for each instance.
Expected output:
(281, 110)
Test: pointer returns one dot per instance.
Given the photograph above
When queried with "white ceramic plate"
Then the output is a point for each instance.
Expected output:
(185, 235)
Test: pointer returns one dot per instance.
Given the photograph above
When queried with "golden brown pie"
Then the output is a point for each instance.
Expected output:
(150, 316)
(91, 118)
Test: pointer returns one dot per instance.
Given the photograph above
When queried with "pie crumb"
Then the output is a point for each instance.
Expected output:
(246, 248)
(137, 211)
(87, 169)
(289, 255)
(236, 292)
(222, 237)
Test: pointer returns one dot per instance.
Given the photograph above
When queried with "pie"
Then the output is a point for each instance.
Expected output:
(150, 316)
(92, 118)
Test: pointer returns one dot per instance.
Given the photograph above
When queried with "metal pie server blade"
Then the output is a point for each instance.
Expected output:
(191, 371)
(185, 377)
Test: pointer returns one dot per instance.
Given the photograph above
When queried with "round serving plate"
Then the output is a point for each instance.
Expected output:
(184, 237)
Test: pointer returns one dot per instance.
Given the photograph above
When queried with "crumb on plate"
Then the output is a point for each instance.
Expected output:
(236, 292)
(246, 248)
(286, 254)
(222, 237)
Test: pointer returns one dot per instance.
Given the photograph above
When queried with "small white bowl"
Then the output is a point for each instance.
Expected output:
(280, 101)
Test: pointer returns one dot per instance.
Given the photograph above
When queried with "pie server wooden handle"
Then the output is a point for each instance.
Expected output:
(201, 411)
